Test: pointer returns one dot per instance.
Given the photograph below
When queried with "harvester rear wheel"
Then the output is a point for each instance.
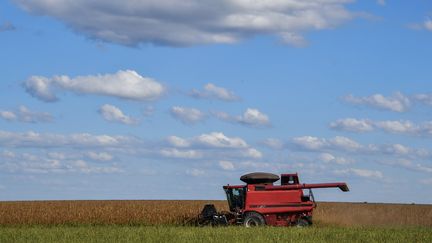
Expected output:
(253, 219)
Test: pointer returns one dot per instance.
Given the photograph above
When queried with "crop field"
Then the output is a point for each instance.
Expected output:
(156, 221)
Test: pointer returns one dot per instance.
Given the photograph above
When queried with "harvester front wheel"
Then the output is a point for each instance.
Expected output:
(301, 223)
(253, 219)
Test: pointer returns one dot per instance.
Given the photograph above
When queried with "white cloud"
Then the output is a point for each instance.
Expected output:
(408, 164)
(254, 117)
(397, 126)
(212, 91)
(251, 117)
(367, 173)
(219, 140)
(187, 115)
(83, 167)
(126, 84)
(407, 127)
(391, 126)
(252, 153)
(326, 157)
(34, 140)
(178, 142)
(31, 163)
(255, 165)
(101, 156)
(273, 143)
(226, 165)
(423, 98)
(181, 154)
(372, 174)
(209, 145)
(23, 114)
(344, 143)
(329, 158)
(192, 22)
(293, 39)
(195, 172)
(397, 149)
(352, 124)
(8, 115)
(114, 114)
(397, 102)
(310, 143)
(428, 24)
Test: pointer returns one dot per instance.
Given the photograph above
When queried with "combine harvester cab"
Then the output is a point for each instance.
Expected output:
(260, 202)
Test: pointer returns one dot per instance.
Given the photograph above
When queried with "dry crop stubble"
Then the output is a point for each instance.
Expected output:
(177, 212)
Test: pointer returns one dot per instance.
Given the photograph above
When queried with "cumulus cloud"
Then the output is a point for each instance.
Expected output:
(251, 117)
(101, 156)
(424, 98)
(212, 91)
(344, 144)
(310, 142)
(372, 174)
(408, 164)
(181, 154)
(397, 102)
(330, 158)
(352, 124)
(254, 117)
(32, 163)
(382, 152)
(23, 114)
(126, 84)
(192, 22)
(34, 140)
(219, 140)
(178, 142)
(84, 167)
(209, 145)
(273, 143)
(390, 126)
(396, 126)
(187, 115)
(226, 165)
(252, 153)
(195, 172)
(114, 114)
(317, 144)
(215, 145)
(8, 115)
(425, 25)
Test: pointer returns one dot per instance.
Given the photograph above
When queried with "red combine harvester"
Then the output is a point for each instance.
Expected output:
(259, 202)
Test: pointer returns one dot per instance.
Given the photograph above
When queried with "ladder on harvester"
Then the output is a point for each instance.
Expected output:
(239, 218)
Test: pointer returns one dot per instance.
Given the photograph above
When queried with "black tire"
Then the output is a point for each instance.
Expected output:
(302, 223)
(253, 219)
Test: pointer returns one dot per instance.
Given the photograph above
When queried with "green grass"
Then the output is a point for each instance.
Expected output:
(116, 233)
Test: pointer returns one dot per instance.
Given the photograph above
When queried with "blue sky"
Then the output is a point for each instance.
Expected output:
(167, 100)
